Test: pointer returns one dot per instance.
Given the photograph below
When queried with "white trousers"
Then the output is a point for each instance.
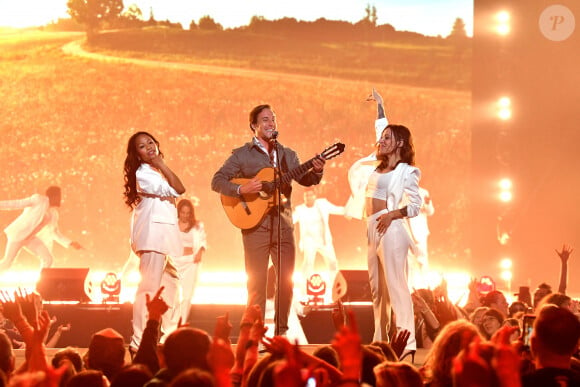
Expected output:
(34, 245)
(188, 274)
(152, 267)
(387, 262)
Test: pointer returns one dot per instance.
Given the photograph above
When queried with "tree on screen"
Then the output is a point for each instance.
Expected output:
(92, 13)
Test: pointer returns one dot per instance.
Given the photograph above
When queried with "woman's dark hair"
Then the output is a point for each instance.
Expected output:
(187, 203)
(132, 163)
(402, 133)
(254, 114)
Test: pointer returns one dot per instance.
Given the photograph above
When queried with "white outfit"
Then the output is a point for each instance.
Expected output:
(155, 233)
(420, 233)
(35, 229)
(387, 253)
(420, 227)
(188, 273)
(315, 236)
(358, 177)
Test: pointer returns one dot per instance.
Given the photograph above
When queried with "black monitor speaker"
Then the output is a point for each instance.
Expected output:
(63, 284)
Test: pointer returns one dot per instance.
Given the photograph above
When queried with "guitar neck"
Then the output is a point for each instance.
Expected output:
(302, 168)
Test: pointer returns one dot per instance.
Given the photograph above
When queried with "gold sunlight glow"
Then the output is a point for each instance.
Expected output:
(30, 13)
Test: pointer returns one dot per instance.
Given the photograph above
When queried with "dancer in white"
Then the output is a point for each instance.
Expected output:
(315, 236)
(390, 195)
(35, 229)
(188, 264)
(151, 189)
(420, 232)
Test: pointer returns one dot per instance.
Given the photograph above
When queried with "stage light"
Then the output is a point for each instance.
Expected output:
(503, 108)
(315, 289)
(505, 264)
(111, 288)
(486, 284)
(502, 26)
(504, 114)
(504, 102)
(505, 184)
(505, 196)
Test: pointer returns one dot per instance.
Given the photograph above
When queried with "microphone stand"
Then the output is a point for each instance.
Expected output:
(277, 183)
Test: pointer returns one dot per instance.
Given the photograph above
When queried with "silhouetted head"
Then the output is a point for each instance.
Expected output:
(556, 330)
(106, 352)
(542, 291)
(186, 348)
(54, 195)
(71, 354)
(449, 342)
(133, 375)
(397, 374)
(7, 358)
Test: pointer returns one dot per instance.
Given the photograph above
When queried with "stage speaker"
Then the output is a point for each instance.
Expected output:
(319, 328)
(63, 284)
(351, 286)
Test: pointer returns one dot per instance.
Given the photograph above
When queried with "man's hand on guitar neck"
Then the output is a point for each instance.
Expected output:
(318, 164)
(251, 186)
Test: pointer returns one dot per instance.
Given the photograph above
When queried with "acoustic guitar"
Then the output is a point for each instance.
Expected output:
(247, 211)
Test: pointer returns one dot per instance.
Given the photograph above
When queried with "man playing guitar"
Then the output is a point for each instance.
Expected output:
(261, 240)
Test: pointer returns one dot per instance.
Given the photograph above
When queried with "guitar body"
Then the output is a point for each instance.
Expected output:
(248, 211)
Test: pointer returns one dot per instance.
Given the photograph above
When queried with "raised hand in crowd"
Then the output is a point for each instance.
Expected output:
(564, 255)
(338, 315)
(399, 342)
(289, 373)
(347, 343)
(506, 358)
(36, 354)
(60, 329)
(252, 330)
(495, 362)
(223, 328)
(221, 356)
(30, 303)
(221, 359)
(147, 352)
(12, 310)
(156, 306)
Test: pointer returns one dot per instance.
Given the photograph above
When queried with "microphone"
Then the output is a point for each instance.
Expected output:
(274, 135)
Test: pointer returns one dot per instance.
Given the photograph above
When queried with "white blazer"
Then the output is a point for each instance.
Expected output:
(403, 190)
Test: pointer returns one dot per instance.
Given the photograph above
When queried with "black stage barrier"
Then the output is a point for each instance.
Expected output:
(86, 319)
(319, 328)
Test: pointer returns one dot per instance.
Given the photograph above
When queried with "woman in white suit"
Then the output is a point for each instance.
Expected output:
(151, 189)
(386, 188)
